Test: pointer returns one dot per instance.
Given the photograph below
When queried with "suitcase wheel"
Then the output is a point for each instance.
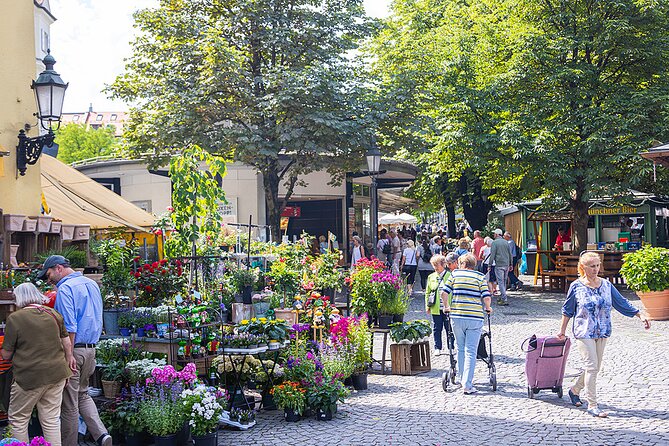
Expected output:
(444, 381)
(559, 392)
(530, 393)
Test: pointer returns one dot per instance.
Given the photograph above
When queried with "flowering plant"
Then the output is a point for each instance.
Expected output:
(203, 408)
(290, 395)
(243, 416)
(139, 370)
(363, 296)
(647, 269)
(167, 375)
(326, 273)
(337, 359)
(324, 393)
(228, 365)
(37, 441)
(302, 369)
(158, 281)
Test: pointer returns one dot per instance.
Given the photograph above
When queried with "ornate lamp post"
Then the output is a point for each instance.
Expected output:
(49, 91)
(373, 156)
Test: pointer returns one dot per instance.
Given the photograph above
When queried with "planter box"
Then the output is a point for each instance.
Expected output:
(55, 227)
(287, 315)
(82, 232)
(14, 222)
(43, 223)
(29, 225)
(67, 232)
(13, 250)
(410, 359)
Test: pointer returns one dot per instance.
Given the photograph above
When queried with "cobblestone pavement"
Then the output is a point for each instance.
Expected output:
(633, 387)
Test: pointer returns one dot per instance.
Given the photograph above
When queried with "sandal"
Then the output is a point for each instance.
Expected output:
(597, 412)
(575, 399)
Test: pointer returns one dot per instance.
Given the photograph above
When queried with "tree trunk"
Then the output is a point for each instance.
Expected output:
(475, 204)
(450, 219)
(274, 206)
(579, 237)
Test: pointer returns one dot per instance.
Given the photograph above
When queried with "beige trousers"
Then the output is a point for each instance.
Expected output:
(592, 351)
(77, 401)
(47, 399)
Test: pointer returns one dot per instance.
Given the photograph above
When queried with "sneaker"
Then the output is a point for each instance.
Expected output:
(105, 440)
(437, 352)
(497, 293)
(519, 286)
(597, 412)
(512, 287)
(575, 399)
(502, 302)
(470, 391)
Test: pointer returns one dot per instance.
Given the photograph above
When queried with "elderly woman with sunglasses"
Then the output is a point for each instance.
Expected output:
(589, 302)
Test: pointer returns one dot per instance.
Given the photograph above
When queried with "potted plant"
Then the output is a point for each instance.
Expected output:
(646, 272)
(360, 339)
(291, 397)
(386, 287)
(244, 279)
(261, 302)
(112, 375)
(324, 395)
(328, 277)
(125, 322)
(364, 299)
(158, 282)
(203, 409)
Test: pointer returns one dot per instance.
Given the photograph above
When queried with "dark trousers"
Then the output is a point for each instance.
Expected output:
(513, 280)
(439, 326)
(423, 277)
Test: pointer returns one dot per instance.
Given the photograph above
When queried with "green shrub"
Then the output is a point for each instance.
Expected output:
(647, 269)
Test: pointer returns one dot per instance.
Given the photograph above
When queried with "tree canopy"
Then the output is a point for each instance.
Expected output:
(269, 83)
(76, 142)
(551, 99)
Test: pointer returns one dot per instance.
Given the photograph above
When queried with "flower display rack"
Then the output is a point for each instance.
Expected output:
(410, 359)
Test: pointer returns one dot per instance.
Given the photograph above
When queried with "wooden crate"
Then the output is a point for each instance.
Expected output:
(410, 359)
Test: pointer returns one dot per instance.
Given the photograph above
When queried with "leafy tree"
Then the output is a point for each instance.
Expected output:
(77, 143)
(542, 98)
(270, 83)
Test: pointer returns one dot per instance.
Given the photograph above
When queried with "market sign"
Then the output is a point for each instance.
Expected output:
(615, 210)
(292, 211)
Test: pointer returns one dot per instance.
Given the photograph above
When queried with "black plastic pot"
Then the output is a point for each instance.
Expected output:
(290, 415)
(210, 439)
(398, 318)
(247, 291)
(385, 320)
(268, 402)
(168, 440)
(359, 381)
(323, 415)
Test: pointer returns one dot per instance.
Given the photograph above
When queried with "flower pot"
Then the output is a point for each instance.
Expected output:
(183, 436)
(29, 225)
(14, 222)
(210, 439)
(110, 321)
(261, 308)
(405, 341)
(13, 250)
(67, 232)
(141, 332)
(274, 345)
(290, 415)
(247, 292)
(168, 440)
(359, 381)
(385, 320)
(348, 381)
(55, 227)
(111, 389)
(656, 303)
(124, 331)
(268, 402)
(398, 318)
(137, 439)
(162, 328)
(324, 415)
(287, 315)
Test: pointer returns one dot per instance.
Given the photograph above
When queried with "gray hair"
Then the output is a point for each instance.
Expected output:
(451, 257)
(27, 294)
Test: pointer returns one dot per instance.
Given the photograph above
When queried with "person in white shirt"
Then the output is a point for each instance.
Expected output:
(357, 252)
(383, 241)
(410, 263)
(396, 251)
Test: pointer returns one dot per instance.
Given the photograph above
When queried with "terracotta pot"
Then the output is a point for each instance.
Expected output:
(656, 303)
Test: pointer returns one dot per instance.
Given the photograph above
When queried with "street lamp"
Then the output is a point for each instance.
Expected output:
(373, 169)
(49, 91)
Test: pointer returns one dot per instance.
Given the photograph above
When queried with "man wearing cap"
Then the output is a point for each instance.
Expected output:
(500, 256)
(80, 303)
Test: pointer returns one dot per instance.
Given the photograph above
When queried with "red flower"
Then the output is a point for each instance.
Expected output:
(155, 264)
(178, 262)
(163, 271)
(148, 288)
(146, 267)
(137, 275)
(163, 261)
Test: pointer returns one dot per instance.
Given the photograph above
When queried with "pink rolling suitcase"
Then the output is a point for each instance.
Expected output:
(545, 363)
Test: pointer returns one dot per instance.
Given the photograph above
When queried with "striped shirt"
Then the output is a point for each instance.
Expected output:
(467, 288)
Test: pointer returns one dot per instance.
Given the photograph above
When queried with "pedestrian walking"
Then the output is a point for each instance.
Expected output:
(500, 257)
(396, 251)
(425, 267)
(38, 345)
(463, 247)
(409, 264)
(469, 301)
(357, 252)
(80, 304)
(589, 302)
(443, 265)
(477, 244)
(514, 282)
(487, 268)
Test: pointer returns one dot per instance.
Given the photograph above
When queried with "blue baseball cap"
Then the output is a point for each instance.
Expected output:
(50, 262)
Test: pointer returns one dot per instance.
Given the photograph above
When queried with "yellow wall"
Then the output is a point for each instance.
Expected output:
(17, 104)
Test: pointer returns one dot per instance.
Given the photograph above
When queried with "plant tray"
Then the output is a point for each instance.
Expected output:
(410, 359)
(225, 421)
(248, 351)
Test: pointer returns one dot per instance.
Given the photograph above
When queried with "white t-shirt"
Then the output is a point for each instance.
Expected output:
(409, 256)
(357, 255)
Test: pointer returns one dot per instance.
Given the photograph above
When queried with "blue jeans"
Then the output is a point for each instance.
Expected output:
(467, 334)
(439, 326)
(501, 273)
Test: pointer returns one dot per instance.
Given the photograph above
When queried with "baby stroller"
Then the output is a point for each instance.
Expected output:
(484, 353)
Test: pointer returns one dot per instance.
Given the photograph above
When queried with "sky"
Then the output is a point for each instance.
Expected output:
(91, 38)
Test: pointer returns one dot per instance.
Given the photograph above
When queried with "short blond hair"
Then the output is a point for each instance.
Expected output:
(467, 261)
(585, 257)
(438, 259)
(27, 294)
(463, 243)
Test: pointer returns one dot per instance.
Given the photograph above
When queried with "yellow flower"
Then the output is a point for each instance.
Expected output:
(253, 319)
(244, 322)
(263, 319)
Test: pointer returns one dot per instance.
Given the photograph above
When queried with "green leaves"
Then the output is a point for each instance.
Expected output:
(647, 269)
(76, 142)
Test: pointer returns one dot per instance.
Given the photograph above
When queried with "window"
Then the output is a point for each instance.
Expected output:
(99, 118)
(113, 117)
(45, 40)
(143, 204)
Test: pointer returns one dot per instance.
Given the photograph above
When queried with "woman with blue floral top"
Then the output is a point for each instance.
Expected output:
(589, 302)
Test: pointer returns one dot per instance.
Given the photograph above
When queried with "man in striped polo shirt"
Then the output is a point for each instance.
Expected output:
(465, 295)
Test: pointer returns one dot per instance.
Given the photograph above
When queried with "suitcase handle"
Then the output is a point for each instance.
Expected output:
(530, 348)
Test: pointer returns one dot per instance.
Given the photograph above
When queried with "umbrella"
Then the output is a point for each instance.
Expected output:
(407, 218)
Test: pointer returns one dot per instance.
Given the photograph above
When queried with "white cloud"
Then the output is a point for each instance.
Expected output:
(91, 38)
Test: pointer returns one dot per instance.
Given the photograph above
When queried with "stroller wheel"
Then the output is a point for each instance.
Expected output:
(530, 393)
(559, 392)
(452, 375)
(444, 381)
(493, 377)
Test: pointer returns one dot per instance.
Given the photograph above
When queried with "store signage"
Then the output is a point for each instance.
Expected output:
(614, 210)
(284, 223)
(292, 211)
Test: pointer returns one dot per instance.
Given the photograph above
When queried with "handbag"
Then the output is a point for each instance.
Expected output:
(432, 298)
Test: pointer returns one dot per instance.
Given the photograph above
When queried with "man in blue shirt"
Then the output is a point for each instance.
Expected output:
(80, 303)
